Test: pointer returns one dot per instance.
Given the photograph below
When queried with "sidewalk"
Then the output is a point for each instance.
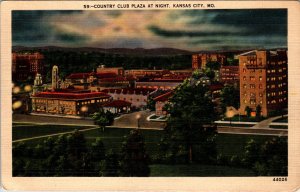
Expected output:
(266, 123)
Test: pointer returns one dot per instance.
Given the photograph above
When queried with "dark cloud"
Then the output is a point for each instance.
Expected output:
(184, 33)
(71, 38)
(31, 27)
(209, 29)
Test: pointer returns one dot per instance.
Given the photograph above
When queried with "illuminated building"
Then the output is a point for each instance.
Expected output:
(230, 75)
(64, 103)
(26, 65)
(263, 80)
(200, 60)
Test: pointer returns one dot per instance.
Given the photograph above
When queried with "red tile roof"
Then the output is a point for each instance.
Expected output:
(118, 103)
(115, 79)
(77, 96)
(143, 91)
(164, 97)
(105, 75)
(78, 76)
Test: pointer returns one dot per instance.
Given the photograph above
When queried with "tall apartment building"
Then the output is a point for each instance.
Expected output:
(200, 60)
(263, 80)
(25, 65)
(230, 75)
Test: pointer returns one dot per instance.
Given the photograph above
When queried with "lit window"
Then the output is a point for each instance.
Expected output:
(260, 78)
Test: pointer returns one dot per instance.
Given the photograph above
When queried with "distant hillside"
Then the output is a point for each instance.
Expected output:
(122, 51)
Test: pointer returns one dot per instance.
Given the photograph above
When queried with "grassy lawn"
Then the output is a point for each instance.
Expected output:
(282, 120)
(244, 118)
(113, 138)
(197, 170)
(21, 131)
(279, 126)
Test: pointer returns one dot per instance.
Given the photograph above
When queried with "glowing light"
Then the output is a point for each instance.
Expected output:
(84, 109)
(230, 112)
(28, 88)
(17, 104)
(16, 90)
(138, 116)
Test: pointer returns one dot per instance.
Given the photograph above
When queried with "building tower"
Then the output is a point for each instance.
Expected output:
(38, 84)
(54, 77)
(263, 81)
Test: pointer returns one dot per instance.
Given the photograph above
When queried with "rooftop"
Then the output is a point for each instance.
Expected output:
(73, 96)
(144, 91)
(78, 76)
(164, 97)
(117, 103)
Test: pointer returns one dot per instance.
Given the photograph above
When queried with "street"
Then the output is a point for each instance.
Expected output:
(130, 121)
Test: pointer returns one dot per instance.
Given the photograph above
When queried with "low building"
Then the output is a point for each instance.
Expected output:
(165, 85)
(66, 103)
(116, 70)
(200, 60)
(77, 78)
(160, 102)
(117, 106)
(137, 96)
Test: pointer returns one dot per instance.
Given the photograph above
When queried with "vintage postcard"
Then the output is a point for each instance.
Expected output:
(150, 96)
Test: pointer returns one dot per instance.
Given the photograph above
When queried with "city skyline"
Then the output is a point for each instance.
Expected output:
(191, 30)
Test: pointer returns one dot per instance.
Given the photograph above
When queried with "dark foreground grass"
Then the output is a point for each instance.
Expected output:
(21, 131)
(113, 138)
(196, 170)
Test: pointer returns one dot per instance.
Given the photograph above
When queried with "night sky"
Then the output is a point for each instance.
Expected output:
(183, 29)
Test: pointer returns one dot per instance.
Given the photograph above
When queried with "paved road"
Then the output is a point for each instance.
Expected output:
(130, 121)
(253, 131)
(266, 123)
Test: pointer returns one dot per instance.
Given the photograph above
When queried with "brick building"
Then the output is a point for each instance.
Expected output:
(26, 65)
(160, 102)
(200, 60)
(116, 70)
(263, 80)
(66, 103)
(137, 96)
(230, 75)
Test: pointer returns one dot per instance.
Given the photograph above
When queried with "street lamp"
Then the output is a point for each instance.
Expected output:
(138, 117)
(230, 113)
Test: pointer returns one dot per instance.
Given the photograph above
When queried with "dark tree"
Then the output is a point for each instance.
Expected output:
(230, 96)
(190, 109)
(258, 112)
(112, 165)
(134, 160)
(248, 111)
(103, 118)
(97, 156)
(251, 154)
(267, 159)
(151, 104)
(213, 65)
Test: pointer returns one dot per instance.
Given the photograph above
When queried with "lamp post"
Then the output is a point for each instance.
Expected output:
(230, 113)
(138, 117)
